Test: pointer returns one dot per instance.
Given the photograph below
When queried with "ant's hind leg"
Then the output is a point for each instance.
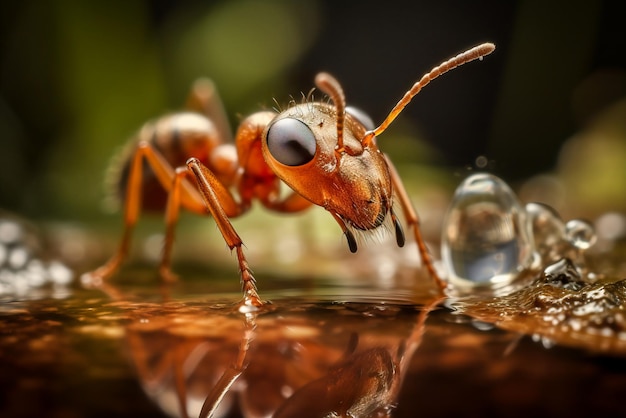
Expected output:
(132, 204)
(172, 212)
(184, 194)
(204, 98)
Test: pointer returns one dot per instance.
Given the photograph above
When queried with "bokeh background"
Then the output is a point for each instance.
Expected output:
(78, 78)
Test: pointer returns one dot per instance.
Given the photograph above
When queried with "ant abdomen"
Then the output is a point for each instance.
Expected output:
(176, 138)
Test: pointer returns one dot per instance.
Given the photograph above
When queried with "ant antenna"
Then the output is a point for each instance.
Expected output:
(478, 52)
(329, 85)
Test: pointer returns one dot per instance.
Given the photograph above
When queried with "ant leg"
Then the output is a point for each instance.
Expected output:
(221, 204)
(187, 196)
(172, 212)
(205, 99)
(413, 222)
(293, 202)
(232, 372)
(132, 203)
(180, 380)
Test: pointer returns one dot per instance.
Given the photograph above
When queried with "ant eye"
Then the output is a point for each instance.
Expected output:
(291, 142)
(362, 117)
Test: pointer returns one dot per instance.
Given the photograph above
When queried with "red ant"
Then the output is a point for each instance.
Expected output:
(325, 152)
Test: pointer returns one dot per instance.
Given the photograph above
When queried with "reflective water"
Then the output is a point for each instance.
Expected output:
(292, 358)
(141, 352)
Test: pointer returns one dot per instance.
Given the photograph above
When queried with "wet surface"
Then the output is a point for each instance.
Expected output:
(119, 351)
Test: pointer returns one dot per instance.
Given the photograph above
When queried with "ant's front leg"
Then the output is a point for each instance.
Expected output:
(413, 222)
(220, 202)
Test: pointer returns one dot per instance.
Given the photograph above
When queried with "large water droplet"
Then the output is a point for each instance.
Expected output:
(487, 238)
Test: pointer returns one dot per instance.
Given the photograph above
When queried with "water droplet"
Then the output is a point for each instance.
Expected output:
(59, 273)
(487, 238)
(18, 258)
(482, 326)
(580, 234)
(481, 161)
(35, 273)
(248, 308)
(10, 232)
(547, 342)
(547, 225)
(563, 274)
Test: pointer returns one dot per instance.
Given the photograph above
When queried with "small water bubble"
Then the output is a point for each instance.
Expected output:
(481, 161)
(10, 232)
(487, 236)
(547, 342)
(60, 273)
(34, 278)
(18, 257)
(576, 324)
(482, 326)
(580, 234)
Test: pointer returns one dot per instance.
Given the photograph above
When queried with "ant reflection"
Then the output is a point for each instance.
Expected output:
(291, 358)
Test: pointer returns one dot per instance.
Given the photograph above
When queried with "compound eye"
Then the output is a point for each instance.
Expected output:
(362, 117)
(291, 142)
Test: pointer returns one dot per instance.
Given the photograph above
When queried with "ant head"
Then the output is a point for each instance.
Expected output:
(317, 149)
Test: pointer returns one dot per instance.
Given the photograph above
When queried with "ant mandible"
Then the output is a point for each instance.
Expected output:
(325, 152)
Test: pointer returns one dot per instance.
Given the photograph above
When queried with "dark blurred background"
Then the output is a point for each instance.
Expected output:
(78, 78)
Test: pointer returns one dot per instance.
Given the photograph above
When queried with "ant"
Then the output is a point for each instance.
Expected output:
(324, 151)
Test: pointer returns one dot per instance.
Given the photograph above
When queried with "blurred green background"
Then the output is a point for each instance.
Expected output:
(78, 78)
